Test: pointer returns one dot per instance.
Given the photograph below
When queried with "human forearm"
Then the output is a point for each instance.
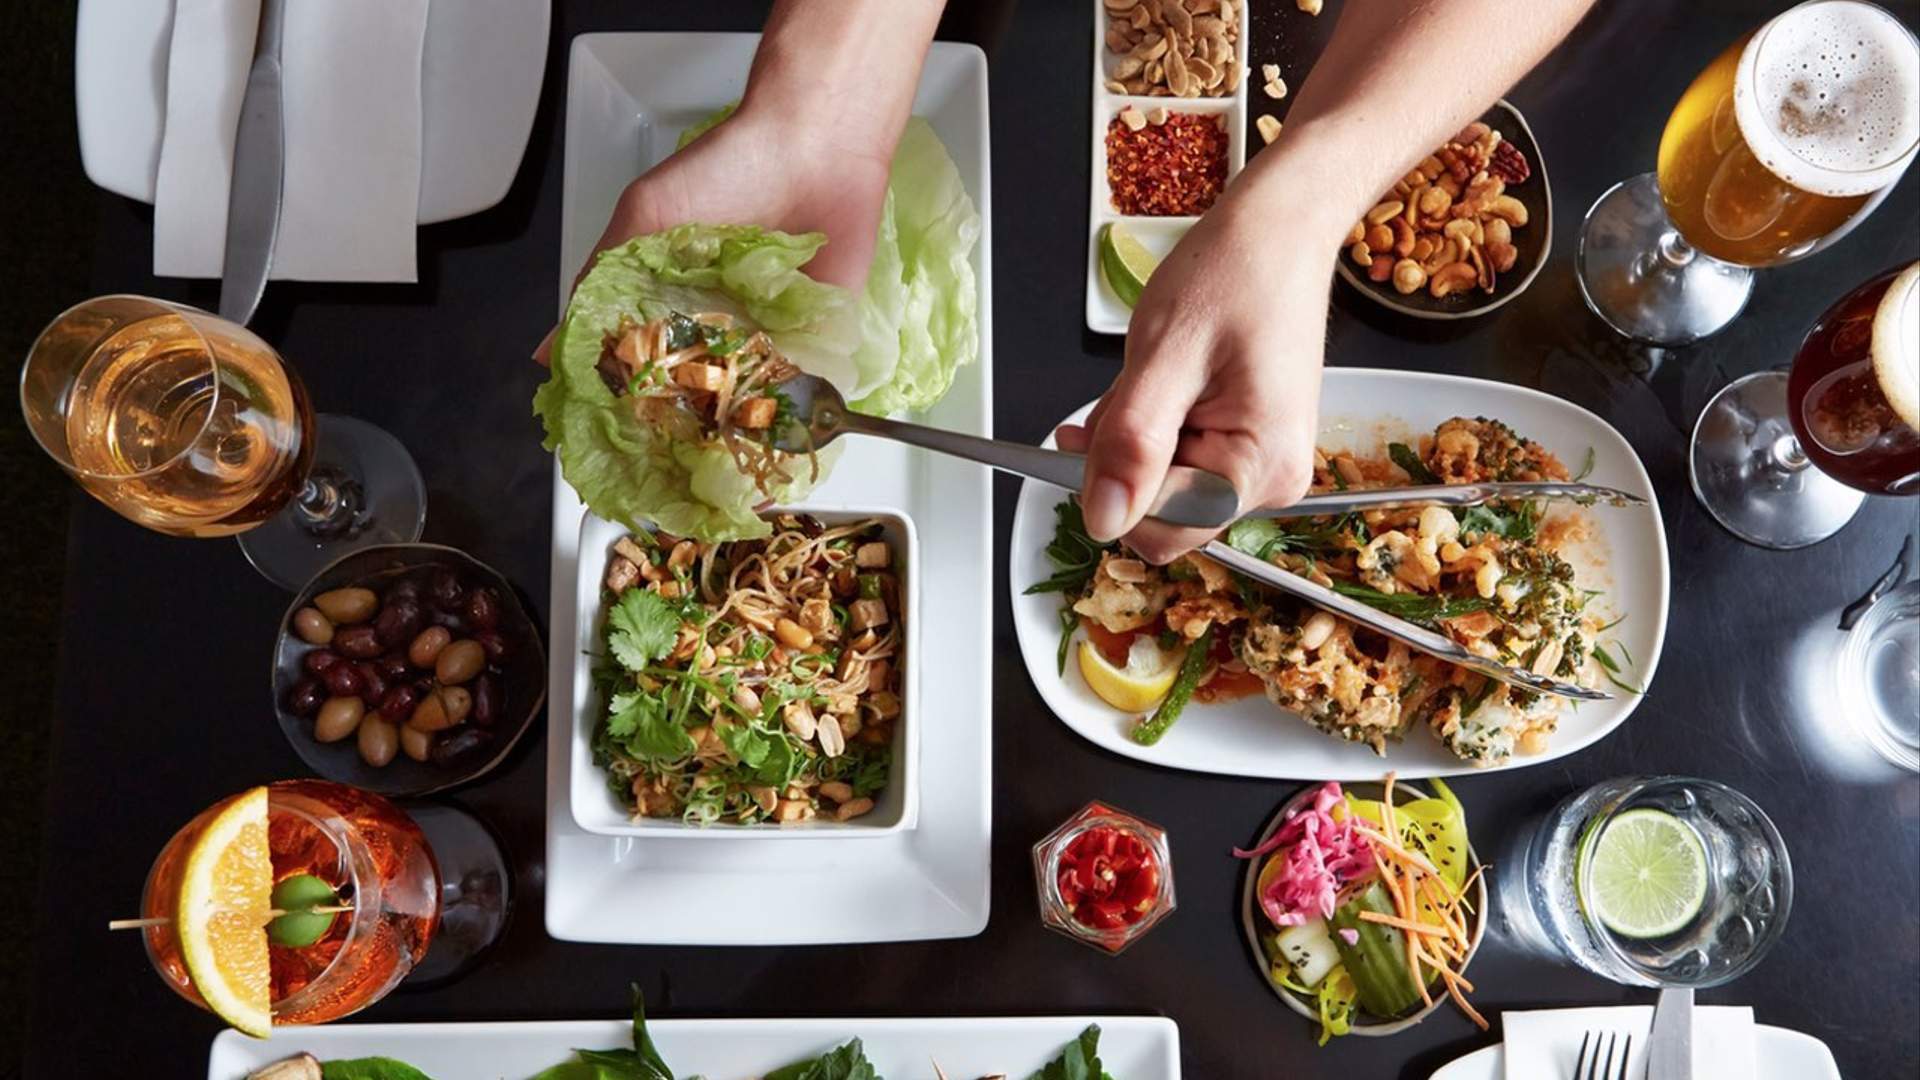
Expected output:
(1387, 90)
(848, 66)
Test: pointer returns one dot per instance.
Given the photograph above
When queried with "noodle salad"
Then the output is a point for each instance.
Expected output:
(751, 681)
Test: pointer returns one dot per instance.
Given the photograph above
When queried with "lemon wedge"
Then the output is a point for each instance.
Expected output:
(221, 917)
(1140, 685)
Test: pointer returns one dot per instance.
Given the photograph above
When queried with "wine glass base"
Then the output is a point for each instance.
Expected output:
(382, 500)
(1641, 279)
(1735, 476)
(476, 890)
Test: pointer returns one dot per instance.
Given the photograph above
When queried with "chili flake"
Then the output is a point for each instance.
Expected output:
(1105, 877)
(1173, 168)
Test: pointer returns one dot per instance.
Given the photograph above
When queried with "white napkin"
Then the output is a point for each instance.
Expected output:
(350, 72)
(1545, 1044)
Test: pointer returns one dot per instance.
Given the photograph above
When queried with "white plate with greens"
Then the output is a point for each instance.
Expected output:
(1360, 410)
(1129, 1047)
(629, 97)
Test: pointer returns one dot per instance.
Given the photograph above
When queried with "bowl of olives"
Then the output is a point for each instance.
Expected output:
(407, 669)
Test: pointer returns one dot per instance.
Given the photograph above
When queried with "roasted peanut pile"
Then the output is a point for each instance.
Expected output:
(1174, 48)
(1447, 225)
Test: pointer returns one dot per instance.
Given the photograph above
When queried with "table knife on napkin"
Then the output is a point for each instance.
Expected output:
(1670, 1049)
(259, 167)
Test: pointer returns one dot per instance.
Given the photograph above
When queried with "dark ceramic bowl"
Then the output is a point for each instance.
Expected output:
(522, 673)
(1252, 922)
(1533, 241)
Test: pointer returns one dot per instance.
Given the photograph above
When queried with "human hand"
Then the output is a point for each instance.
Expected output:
(1222, 372)
(761, 169)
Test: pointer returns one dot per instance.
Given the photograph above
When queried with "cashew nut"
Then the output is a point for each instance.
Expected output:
(1385, 210)
(1450, 279)
(1379, 237)
(1403, 236)
(1361, 254)
(1509, 209)
(1501, 253)
(1381, 269)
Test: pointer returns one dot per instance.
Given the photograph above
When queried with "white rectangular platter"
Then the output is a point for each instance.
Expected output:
(1106, 312)
(1134, 1047)
(1627, 559)
(628, 98)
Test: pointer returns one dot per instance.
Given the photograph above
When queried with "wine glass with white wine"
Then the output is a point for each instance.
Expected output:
(190, 425)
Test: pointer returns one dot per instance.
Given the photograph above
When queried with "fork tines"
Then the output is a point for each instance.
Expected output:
(1598, 1067)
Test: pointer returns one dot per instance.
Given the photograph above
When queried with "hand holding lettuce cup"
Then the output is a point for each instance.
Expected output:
(895, 345)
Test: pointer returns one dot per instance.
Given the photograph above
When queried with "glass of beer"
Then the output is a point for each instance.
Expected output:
(1779, 148)
(190, 425)
(1781, 459)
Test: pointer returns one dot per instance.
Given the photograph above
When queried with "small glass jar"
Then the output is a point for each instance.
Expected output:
(1119, 877)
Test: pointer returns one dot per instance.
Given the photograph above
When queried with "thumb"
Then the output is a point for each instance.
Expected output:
(1133, 443)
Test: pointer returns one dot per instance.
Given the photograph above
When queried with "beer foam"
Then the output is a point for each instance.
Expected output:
(1828, 97)
(1896, 345)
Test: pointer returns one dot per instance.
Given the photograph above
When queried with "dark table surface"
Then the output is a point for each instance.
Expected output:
(164, 701)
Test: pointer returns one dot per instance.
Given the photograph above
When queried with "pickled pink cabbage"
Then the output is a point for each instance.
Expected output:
(1318, 856)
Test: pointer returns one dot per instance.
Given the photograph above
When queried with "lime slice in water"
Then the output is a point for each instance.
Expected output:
(1648, 874)
(1126, 262)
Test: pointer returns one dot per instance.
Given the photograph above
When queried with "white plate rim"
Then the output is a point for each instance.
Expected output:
(1038, 499)
(1487, 1062)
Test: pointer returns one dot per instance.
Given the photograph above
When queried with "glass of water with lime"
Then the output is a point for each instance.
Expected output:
(1652, 881)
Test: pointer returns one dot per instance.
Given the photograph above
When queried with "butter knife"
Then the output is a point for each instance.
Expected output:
(1407, 633)
(1670, 1049)
(259, 167)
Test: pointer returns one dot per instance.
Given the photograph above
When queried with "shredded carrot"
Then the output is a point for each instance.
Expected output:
(1456, 977)
(1453, 991)
(1408, 925)
(1386, 808)
(1416, 954)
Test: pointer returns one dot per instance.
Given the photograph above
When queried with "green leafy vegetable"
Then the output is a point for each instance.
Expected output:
(1192, 666)
(370, 1068)
(1069, 622)
(643, 725)
(641, 628)
(1080, 1060)
(848, 1062)
(1405, 457)
(1509, 521)
(642, 1062)
(1586, 467)
(1426, 610)
(1075, 553)
(634, 471)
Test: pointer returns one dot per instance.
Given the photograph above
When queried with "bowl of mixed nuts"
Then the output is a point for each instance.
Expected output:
(1462, 233)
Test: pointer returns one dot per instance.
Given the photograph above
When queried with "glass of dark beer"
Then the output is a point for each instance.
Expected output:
(1782, 458)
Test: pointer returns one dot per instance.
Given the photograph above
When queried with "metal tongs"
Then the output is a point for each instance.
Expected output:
(1407, 633)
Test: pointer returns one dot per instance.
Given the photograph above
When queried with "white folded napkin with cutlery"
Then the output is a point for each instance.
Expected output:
(350, 72)
(1545, 1044)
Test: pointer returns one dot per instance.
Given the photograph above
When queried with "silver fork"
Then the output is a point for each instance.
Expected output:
(1189, 496)
(1592, 1068)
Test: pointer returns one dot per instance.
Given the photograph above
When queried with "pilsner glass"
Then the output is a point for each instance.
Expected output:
(190, 425)
(425, 891)
(1781, 459)
(1783, 144)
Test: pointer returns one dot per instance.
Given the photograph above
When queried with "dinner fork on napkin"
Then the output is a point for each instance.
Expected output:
(1546, 1042)
(350, 89)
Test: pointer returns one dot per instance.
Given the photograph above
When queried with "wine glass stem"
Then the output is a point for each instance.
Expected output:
(1785, 456)
(329, 503)
(1674, 249)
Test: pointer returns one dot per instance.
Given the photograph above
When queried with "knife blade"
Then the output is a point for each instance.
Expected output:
(1409, 634)
(1670, 1048)
(259, 168)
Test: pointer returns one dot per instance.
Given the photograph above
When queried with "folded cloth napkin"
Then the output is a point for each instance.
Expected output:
(350, 76)
(1545, 1044)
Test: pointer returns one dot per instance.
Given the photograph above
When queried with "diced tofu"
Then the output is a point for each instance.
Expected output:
(874, 556)
(878, 672)
(755, 413)
(792, 810)
(632, 348)
(697, 376)
(865, 613)
(628, 548)
(621, 575)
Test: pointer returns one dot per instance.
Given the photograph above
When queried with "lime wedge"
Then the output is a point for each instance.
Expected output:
(1126, 262)
(1648, 874)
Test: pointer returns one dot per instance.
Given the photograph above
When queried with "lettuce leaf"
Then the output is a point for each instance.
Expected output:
(633, 472)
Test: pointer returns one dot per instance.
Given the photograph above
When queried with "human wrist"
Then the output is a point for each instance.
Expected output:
(1310, 185)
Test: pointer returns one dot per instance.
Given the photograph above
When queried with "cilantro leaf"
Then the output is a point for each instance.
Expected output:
(644, 725)
(640, 628)
(1510, 521)
(1079, 1061)
(1076, 554)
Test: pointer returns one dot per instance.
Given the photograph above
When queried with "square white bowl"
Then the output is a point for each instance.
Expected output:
(594, 807)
